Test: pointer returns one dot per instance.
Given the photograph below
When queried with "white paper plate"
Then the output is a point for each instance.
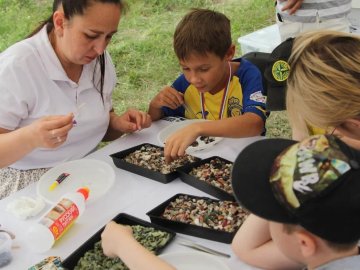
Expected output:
(175, 126)
(194, 260)
(97, 175)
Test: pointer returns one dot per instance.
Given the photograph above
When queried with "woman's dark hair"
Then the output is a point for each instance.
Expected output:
(78, 7)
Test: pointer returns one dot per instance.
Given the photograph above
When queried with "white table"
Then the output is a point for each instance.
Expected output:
(131, 194)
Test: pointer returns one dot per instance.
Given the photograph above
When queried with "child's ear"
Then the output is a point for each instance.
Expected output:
(307, 243)
(350, 128)
(230, 53)
(59, 19)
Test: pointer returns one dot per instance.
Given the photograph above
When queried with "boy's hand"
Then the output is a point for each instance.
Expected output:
(167, 97)
(292, 5)
(114, 235)
(132, 120)
(177, 143)
(49, 131)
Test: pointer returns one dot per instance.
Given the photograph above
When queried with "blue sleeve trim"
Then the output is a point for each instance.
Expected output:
(257, 111)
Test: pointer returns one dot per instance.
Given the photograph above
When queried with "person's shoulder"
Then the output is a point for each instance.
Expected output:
(246, 66)
(19, 53)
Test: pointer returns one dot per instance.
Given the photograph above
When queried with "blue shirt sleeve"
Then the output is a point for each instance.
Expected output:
(253, 91)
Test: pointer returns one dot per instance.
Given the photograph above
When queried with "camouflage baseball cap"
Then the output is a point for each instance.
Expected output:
(314, 183)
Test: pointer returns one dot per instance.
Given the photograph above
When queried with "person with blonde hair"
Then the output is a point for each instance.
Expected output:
(323, 85)
(322, 92)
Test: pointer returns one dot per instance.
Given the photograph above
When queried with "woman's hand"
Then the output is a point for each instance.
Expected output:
(114, 235)
(49, 131)
(132, 120)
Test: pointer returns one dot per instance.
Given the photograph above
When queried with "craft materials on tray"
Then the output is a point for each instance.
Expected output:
(225, 216)
(149, 237)
(152, 158)
(216, 172)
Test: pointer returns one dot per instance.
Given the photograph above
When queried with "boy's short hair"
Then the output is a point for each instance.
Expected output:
(202, 31)
(314, 183)
(338, 247)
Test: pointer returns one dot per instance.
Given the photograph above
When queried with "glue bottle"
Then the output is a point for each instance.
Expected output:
(50, 227)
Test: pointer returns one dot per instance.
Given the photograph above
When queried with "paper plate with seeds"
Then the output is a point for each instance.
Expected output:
(201, 143)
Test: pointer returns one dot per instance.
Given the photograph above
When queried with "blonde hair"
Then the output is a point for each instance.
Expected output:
(323, 88)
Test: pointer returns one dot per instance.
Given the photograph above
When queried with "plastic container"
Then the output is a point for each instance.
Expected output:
(119, 161)
(156, 217)
(5, 249)
(192, 180)
(263, 40)
(42, 235)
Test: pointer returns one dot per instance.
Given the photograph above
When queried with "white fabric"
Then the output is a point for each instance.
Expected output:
(33, 84)
(327, 9)
(289, 29)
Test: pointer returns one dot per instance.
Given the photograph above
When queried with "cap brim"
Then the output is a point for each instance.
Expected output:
(250, 179)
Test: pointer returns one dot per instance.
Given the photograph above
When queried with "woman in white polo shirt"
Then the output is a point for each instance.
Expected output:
(55, 92)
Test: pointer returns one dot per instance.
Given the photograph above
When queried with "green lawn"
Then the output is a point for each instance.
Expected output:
(142, 49)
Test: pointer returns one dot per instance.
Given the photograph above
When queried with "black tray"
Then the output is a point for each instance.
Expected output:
(118, 159)
(190, 229)
(202, 185)
(71, 261)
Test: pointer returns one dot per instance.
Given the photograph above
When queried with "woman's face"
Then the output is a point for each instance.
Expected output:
(85, 37)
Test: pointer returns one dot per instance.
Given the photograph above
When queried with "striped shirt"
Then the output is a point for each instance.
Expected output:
(311, 9)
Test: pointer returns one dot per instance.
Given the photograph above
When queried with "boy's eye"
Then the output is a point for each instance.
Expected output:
(204, 69)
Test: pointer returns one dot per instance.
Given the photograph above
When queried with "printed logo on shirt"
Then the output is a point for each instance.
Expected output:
(280, 70)
(258, 97)
(234, 107)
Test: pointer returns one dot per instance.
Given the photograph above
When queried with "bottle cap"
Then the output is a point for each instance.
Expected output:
(84, 191)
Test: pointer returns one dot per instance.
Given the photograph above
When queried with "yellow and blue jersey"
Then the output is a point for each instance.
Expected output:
(245, 94)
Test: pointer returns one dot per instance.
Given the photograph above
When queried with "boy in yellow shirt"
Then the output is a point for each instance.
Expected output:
(213, 86)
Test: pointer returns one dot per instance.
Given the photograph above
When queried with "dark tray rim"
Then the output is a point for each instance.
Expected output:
(147, 173)
(202, 185)
(185, 228)
(71, 260)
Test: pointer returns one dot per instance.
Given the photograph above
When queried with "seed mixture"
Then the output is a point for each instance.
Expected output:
(216, 173)
(218, 215)
(149, 237)
(152, 158)
(203, 139)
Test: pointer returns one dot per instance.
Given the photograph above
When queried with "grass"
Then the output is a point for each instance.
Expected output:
(142, 49)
